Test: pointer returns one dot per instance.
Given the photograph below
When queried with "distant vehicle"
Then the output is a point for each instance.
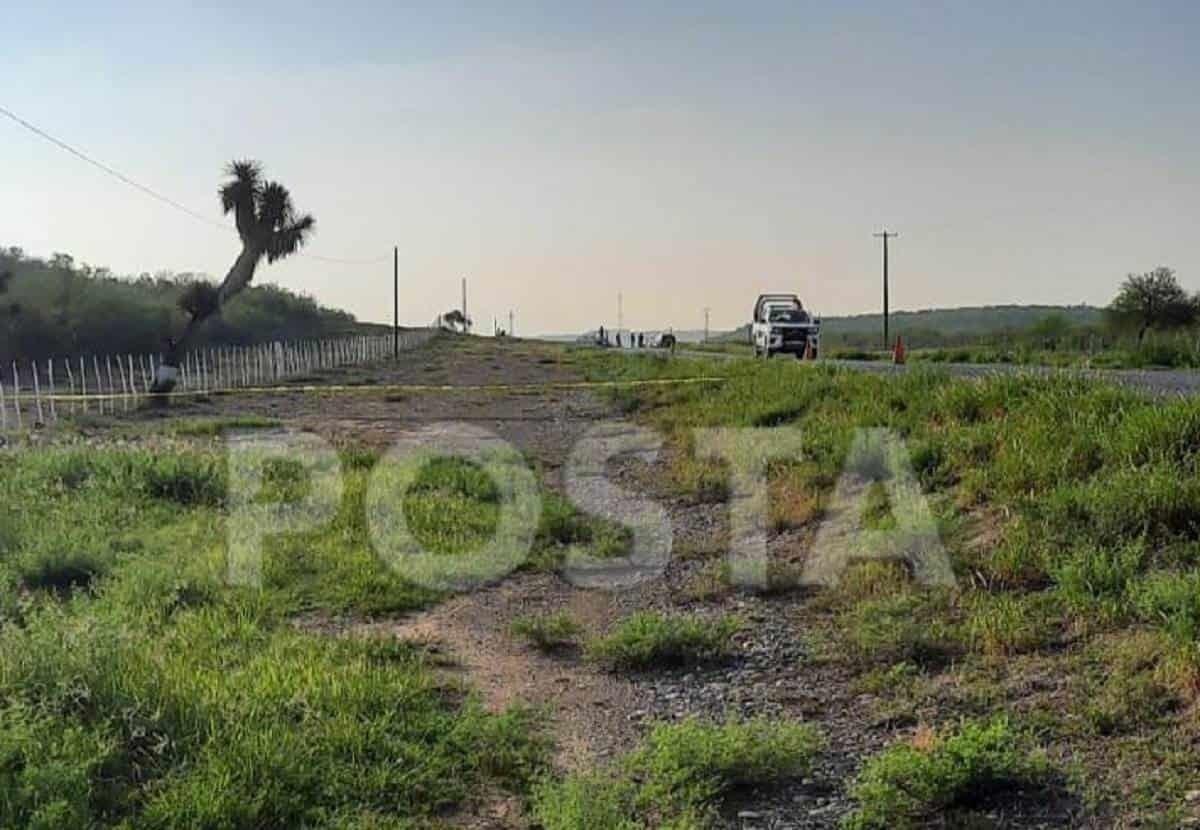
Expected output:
(781, 325)
(662, 340)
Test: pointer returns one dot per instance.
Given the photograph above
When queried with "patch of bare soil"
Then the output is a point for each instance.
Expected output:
(588, 708)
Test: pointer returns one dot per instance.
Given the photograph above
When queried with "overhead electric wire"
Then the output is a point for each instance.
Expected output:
(154, 194)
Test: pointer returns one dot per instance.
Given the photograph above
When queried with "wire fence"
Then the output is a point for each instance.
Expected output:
(39, 392)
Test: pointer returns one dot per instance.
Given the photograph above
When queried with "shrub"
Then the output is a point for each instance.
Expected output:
(199, 299)
(906, 784)
(183, 478)
(585, 802)
(646, 639)
(547, 632)
(214, 427)
(675, 778)
(691, 763)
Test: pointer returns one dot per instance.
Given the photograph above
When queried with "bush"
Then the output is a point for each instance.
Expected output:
(906, 784)
(646, 640)
(183, 478)
(585, 802)
(691, 763)
(547, 632)
(675, 778)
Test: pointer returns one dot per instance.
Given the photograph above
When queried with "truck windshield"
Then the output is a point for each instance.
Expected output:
(788, 315)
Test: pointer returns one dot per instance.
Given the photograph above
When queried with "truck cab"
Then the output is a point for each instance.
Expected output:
(781, 325)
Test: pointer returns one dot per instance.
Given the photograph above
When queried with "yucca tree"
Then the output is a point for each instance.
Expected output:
(269, 228)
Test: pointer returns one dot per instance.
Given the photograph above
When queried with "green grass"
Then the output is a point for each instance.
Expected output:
(138, 689)
(679, 776)
(453, 506)
(547, 632)
(214, 427)
(694, 763)
(909, 784)
(1070, 511)
(646, 640)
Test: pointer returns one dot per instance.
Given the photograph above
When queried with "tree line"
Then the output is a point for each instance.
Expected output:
(57, 307)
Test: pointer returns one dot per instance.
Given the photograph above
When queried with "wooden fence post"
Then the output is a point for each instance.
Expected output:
(53, 391)
(99, 385)
(37, 394)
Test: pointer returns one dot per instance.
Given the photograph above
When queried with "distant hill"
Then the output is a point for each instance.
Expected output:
(972, 319)
(56, 307)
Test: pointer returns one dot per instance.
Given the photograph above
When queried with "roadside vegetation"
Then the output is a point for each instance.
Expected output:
(910, 784)
(1071, 514)
(58, 306)
(139, 689)
(547, 633)
(678, 777)
(650, 640)
(1151, 323)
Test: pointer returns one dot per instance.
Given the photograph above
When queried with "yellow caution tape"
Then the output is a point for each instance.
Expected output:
(382, 387)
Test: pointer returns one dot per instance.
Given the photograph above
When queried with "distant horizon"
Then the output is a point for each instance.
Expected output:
(80, 261)
(685, 155)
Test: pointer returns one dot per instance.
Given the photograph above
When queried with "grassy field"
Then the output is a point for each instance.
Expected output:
(1071, 512)
(1160, 351)
(139, 690)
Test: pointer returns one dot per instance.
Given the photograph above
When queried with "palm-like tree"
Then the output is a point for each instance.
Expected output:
(269, 228)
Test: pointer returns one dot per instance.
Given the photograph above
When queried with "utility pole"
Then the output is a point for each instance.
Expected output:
(396, 302)
(620, 314)
(885, 236)
(511, 330)
(706, 311)
(466, 323)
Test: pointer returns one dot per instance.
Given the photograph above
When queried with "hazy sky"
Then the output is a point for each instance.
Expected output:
(685, 154)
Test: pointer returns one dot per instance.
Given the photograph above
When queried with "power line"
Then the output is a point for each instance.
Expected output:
(154, 194)
(110, 171)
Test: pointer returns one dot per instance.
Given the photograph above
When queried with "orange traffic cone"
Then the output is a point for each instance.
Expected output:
(898, 352)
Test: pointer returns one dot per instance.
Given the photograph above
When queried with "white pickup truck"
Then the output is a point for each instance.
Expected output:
(782, 326)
